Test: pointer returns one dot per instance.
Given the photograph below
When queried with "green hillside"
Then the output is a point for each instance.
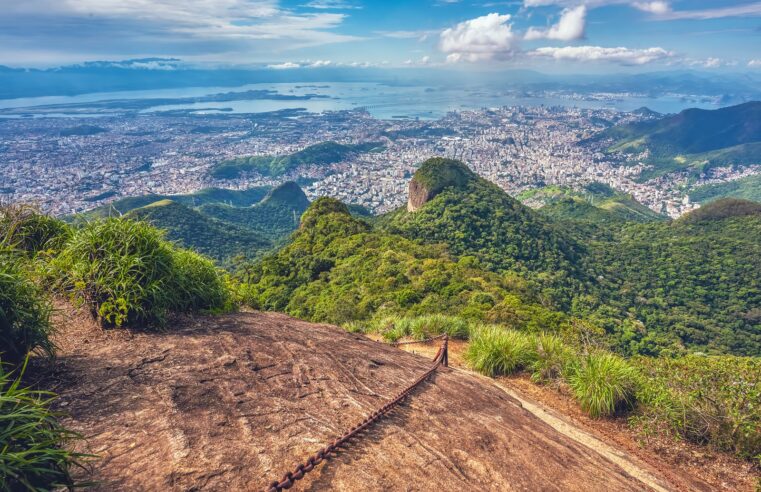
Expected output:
(321, 154)
(192, 229)
(694, 138)
(237, 198)
(597, 203)
(474, 217)
(748, 188)
(471, 250)
(275, 216)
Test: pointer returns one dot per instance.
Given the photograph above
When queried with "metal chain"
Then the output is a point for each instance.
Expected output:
(290, 478)
(427, 340)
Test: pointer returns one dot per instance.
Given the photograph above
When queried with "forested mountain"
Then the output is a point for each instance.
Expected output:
(321, 154)
(728, 136)
(192, 229)
(463, 246)
(223, 224)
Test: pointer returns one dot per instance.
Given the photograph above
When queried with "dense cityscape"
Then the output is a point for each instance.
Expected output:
(67, 165)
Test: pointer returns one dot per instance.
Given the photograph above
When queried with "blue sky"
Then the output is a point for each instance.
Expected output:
(546, 35)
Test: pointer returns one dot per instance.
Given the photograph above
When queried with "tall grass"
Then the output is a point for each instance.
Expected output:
(32, 454)
(393, 328)
(126, 273)
(24, 312)
(604, 384)
(495, 351)
(552, 358)
(25, 228)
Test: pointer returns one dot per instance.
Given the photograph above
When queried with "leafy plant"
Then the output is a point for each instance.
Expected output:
(553, 358)
(604, 384)
(32, 452)
(708, 400)
(495, 351)
(25, 228)
(24, 312)
(127, 273)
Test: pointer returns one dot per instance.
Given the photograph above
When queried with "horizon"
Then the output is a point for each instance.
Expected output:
(556, 37)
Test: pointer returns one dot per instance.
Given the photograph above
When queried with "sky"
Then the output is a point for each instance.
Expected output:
(546, 35)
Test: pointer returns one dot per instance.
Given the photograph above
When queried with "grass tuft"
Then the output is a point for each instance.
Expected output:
(32, 453)
(604, 384)
(496, 351)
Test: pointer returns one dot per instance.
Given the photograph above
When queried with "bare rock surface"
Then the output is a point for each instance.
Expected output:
(232, 402)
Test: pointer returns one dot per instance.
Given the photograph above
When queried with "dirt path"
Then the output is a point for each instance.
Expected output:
(231, 402)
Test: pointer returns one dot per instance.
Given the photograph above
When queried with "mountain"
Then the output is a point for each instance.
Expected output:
(321, 154)
(449, 204)
(694, 138)
(275, 216)
(192, 229)
(596, 203)
(463, 247)
(237, 198)
(220, 223)
(748, 188)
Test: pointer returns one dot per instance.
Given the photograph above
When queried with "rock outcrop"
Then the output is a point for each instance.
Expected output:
(433, 176)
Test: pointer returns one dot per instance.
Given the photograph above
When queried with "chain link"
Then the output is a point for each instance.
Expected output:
(290, 478)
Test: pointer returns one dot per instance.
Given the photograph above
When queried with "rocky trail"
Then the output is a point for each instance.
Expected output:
(232, 402)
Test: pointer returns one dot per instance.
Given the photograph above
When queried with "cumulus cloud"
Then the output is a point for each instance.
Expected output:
(483, 38)
(755, 63)
(620, 55)
(570, 26)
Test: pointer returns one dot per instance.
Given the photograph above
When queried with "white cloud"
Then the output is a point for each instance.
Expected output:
(570, 26)
(331, 4)
(621, 55)
(483, 38)
(660, 8)
(754, 63)
(320, 63)
(284, 66)
(657, 7)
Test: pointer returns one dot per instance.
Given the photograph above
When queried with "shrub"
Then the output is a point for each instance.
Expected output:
(603, 384)
(433, 325)
(493, 350)
(707, 400)
(553, 357)
(24, 312)
(32, 456)
(23, 227)
(196, 283)
(127, 273)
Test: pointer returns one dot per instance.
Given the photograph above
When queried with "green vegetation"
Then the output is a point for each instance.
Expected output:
(276, 216)
(25, 229)
(227, 225)
(338, 269)
(748, 188)
(190, 228)
(126, 273)
(392, 328)
(728, 136)
(707, 400)
(24, 312)
(597, 204)
(603, 384)
(232, 198)
(321, 154)
(495, 351)
(32, 454)
(475, 218)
